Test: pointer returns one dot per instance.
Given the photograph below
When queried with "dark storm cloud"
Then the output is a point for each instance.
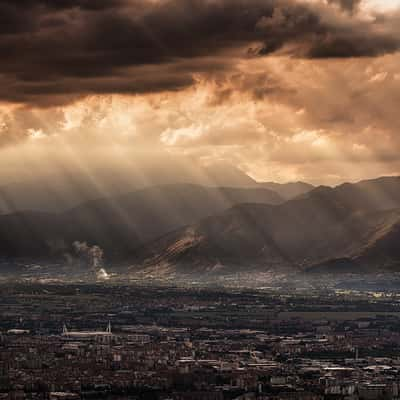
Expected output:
(318, 32)
(349, 5)
(57, 49)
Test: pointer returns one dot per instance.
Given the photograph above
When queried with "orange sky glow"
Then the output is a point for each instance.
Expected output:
(280, 97)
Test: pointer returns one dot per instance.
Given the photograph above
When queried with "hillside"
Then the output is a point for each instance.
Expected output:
(193, 229)
(252, 238)
(58, 191)
(121, 224)
(356, 222)
(288, 190)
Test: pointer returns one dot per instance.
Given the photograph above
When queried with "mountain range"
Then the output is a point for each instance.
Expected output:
(194, 229)
(120, 224)
(59, 190)
(353, 224)
(289, 190)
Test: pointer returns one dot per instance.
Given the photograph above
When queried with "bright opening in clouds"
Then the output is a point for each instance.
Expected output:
(384, 5)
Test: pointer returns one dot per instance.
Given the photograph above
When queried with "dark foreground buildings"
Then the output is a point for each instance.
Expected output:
(197, 344)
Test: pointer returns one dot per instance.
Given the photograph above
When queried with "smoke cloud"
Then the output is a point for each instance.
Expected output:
(93, 257)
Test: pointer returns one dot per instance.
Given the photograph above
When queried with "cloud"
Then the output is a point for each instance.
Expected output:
(348, 5)
(55, 52)
(318, 31)
(315, 131)
(285, 89)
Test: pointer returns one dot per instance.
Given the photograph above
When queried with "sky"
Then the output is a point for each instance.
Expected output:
(286, 90)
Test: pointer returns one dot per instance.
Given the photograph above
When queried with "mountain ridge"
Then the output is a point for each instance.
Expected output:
(58, 192)
(288, 190)
(322, 225)
(186, 228)
(122, 223)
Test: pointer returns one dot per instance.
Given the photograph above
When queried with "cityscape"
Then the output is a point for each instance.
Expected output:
(199, 200)
(186, 343)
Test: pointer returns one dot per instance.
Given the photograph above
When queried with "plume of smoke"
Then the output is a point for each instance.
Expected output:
(80, 247)
(93, 256)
